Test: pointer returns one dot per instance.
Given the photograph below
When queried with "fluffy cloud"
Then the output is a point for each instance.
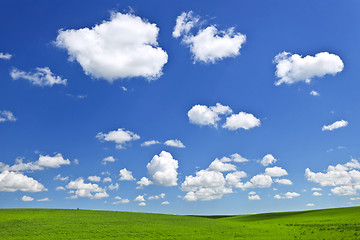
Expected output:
(149, 143)
(139, 198)
(142, 204)
(174, 143)
(52, 162)
(343, 177)
(143, 182)
(288, 195)
(12, 181)
(208, 44)
(122, 200)
(124, 47)
(335, 125)
(94, 178)
(113, 186)
(5, 56)
(316, 189)
(156, 197)
(260, 181)
(60, 188)
(283, 181)
(27, 198)
(207, 116)
(317, 194)
(219, 166)
(7, 116)
(162, 169)
(241, 120)
(41, 77)
(165, 203)
(120, 137)
(276, 172)
(126, 175)
(292, 68)
(314, 93)
(238, 158)
(233, 179)
(254, 197)
(89, 190)
(267, 160)
(107, 179)
(108, 159)
(59, 177)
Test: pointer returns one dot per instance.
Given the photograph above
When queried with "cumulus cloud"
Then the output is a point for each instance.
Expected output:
(343, 177)
(241, 120)
(5, 56)
(292, 68)
(283, 181)
(149, 143)
(126, 175)
(310, 204)
(108, 159)
(121, 200)
(89, 190)
(27, 198)
(335, 125)
(207, 116)
(94, 178)
(218, 165)
(165, 203)
(208, 44)
(12, 182)
(142, 204)
(317, 194)
(120, 137)
(107, 179)
(254, 197)
(174, 143)
(59, 177)
(314, 93)
(124, 47)
(268, 159)
(162, 169)
(41, 77)
(238, 158)
(316, 189)
(60, 188)
(275, 172)
(7, 116)
(139, 198)
(288, 195)
(52, 162)
(143, 182)
(113, 186)
(260, 181)
(156, 197)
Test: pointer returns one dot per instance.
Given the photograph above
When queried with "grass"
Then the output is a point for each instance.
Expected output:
(339, 223)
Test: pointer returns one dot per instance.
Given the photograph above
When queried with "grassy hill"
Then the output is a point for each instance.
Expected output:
(339, 223)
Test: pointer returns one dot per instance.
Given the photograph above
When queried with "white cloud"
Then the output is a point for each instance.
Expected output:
(27, 198)
(124, 47)
(310, 204)
(5, 56)
(233, 179)
(6, 116)
(43, 200)
(219, 166)
(275, 171)
(52, 162)
(156, 197)
(12, 181)
(184, 23)
(267, 160)
(344, 190)
(314, 93)
(41, 77)
(292, 68)
(89, 190)
(108, 159)
(120, 137)
(149, 143)
(174, 143)
(238, 158)
(283, 181)
(107, 179)
(288, 195)
(94, 178)
(139, 198)
(60, 188)
(317, 194)
(126, 175)
(207, 116)
(208, 44)
(316, 189)
(142, 204)
(123, 201)
(254, 197)
(252, 193)
(143, 182)
(241, 120)
(162, 169)
(165, 203)
(113, 186)
(260, 181)
(335, 125)
(59, 177)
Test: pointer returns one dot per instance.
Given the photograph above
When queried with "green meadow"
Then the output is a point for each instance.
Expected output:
(339, 223)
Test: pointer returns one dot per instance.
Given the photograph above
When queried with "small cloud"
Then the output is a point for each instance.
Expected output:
(149, 143)
(5, 56)
(174, 143)
(310, 204)
(119, 136)
(27, 198)
(108, 159)
(43, 200)
(94, 178)
(165, 203)
(335, 125)
(314, 93)
(7, 116)
(41, 77)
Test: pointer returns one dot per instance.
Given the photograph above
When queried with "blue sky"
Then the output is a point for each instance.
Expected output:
(72, 95)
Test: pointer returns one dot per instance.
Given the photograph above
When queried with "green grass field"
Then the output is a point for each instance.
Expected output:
(339, 223)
